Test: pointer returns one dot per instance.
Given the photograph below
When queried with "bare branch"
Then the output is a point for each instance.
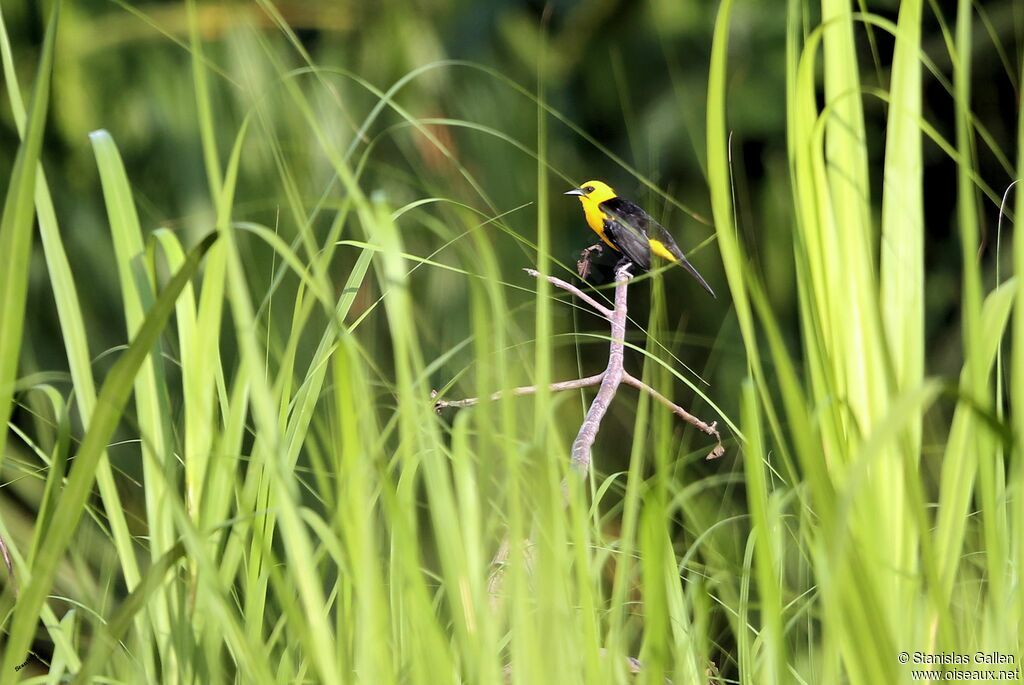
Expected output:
(711, 429)
(570, 288)
(573, 384)
(612, 375)
(610, 379)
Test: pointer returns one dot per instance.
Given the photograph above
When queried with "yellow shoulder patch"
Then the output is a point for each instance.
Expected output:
(658, 248)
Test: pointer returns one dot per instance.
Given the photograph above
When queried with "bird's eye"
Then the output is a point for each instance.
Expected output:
(588, 190)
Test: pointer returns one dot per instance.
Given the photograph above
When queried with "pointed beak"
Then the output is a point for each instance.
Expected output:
(575, 191)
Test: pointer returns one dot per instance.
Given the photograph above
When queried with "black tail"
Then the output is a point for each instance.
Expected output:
(685, 263)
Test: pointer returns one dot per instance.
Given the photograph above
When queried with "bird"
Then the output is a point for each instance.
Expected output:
(627, 228)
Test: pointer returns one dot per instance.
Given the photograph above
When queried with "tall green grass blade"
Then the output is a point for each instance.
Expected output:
(990, 486)
(150, 383)
(771, 666)
(842, 231)
(960, 461)
(211, 158)
(201, 344)
(367, 649)
(850, 599)
(902, 243)
(901, 289)
(16, 231)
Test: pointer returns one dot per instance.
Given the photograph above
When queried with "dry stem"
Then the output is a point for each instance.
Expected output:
(612, 375)
(574, 384)
(569, 287)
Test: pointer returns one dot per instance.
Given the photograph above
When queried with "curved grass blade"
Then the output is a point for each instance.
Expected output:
(16, 231)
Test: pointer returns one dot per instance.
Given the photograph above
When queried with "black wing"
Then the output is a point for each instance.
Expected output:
(629, 242)
(629, 214)
(626, 227)
(637, 220)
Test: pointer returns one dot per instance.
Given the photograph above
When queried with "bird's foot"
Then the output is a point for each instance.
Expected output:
(583, 265)
(622, 268)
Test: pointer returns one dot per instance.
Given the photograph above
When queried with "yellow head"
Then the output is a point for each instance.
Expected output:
(593, 193)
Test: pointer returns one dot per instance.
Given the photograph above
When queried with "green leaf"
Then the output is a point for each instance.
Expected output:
(16, 232)
(902, 246)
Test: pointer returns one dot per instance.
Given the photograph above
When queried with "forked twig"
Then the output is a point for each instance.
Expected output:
(709, 428)
(610, 379)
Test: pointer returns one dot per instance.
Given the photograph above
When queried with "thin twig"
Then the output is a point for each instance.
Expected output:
(610, 379)
(569, 287)
(573, 384)
(612, 375)
(709, 428)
